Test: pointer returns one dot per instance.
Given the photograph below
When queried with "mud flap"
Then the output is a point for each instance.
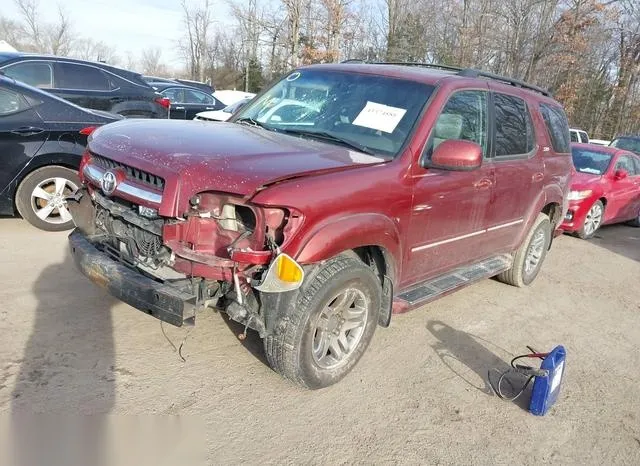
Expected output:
(386, 305)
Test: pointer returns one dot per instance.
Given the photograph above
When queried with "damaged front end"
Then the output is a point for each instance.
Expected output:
(222, 253)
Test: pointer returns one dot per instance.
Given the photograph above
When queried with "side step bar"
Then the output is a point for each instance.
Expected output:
(429, 290)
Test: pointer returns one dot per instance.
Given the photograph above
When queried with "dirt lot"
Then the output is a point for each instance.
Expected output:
(418, 396)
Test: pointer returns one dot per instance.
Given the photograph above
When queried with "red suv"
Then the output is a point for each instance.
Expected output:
(338, 196)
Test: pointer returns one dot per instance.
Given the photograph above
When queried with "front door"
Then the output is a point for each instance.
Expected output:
(449, 207)
(623, 197)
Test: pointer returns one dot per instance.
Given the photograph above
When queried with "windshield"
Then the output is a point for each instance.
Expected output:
(589, 161)
(373, 113)
(632, 144)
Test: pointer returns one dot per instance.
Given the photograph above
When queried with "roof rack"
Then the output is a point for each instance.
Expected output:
(464, 72)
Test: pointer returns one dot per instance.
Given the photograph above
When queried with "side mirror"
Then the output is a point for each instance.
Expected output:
(456, 154)
(620, 175)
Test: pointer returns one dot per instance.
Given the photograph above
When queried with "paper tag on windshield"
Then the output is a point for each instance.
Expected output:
(379, 117)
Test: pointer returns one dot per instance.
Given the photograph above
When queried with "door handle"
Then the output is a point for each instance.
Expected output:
(484, 183)
(537, 177)
(179, 108)
(27, 131)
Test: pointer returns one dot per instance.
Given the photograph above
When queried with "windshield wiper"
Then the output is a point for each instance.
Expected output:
(326, 136)
(251, 122)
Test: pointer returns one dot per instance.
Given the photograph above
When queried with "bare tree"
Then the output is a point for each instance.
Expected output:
(197, 21)
(59, 35)
(151, 62)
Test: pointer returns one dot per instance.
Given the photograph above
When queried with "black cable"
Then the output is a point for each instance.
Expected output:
(518, 369)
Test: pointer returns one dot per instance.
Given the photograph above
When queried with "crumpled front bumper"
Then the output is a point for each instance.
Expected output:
(163, 301)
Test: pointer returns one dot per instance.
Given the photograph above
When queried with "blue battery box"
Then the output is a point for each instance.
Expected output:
(546, 389)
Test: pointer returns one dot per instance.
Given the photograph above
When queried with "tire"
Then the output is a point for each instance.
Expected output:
(636, 221)
(592, 221)
(40, 197)
(535, 246)
(300, 351)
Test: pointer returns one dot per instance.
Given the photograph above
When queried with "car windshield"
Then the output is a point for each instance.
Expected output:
(372, 113)
(590, 161)
(632, 144)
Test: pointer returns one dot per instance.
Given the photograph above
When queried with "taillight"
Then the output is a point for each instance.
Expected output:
(86, 158)
(163, 101)
(88, 130)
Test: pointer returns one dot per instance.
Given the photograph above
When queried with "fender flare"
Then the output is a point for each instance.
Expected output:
(350, 232)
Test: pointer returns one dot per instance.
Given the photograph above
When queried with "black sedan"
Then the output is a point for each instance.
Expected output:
(186, 101)
(42, 138)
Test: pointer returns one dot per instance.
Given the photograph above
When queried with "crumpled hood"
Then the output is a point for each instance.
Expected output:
(196, 156)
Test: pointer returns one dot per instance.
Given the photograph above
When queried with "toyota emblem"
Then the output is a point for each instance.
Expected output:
(109, 182)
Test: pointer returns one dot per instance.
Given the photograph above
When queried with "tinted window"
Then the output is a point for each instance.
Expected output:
(37, 74)
(72, 76)
(557, 126)
(632, 144)
(584, 137)
(514, 132)
(574, 136)
(174, 94)
(625, 163)
(590, 161)
(463, 117)
(197, 97)
(11, 102)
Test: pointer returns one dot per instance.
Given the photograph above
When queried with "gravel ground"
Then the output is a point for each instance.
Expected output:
(419, 395)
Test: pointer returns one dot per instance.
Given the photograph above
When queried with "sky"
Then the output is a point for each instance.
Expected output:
(126, 25)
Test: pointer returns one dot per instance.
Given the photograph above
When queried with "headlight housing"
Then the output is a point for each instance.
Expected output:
(579, 195)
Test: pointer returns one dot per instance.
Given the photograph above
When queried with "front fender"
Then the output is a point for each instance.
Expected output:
(345, 233)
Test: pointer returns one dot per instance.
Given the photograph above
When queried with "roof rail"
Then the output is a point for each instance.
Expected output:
(473, 73)
(464, 72)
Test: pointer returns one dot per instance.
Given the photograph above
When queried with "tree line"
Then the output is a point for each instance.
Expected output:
(586, 52)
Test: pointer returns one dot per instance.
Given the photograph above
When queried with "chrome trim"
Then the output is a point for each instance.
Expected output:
(468, 235)
(95, 175)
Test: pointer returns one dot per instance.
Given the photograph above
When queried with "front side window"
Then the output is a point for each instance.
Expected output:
(625, 163)
(197, 97)
(464, 117)
(36, 74)
(373, 114)
(74, 76)
(11, 102)
(514, 130)
(557, 126)
(590, 161)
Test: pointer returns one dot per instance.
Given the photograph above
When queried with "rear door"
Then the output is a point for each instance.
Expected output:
(519, 172)
(196, 101)
(622, 199)
(22, 133)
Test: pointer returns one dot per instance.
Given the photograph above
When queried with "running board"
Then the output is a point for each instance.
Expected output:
(432, 289)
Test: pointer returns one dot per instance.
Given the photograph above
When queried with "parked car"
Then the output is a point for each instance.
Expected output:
(577, 135)
(42, 138)
(630, 143)
(403, 184)
(197, 84)
(224, 114)
(600, 142)
(90, 85)
(229, 97)
(605, 188)
(185, 101)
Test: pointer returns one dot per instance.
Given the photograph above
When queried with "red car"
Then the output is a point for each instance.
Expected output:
(605, 188)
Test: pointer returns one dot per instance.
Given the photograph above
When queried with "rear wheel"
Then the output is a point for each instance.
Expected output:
(322, 335)
(40, 197)
(531, 254)
(593, 221)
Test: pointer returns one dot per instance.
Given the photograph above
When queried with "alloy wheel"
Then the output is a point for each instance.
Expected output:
(535, 252)
(48, 200)
(593, 220)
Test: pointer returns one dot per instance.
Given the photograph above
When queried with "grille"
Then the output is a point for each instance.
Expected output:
(135, 174)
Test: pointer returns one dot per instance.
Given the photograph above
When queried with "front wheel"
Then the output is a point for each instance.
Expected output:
(636, 221)
(531, 254)
(592, 221)
(323, 334)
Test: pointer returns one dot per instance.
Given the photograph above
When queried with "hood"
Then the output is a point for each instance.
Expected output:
(196, 156)
(580, 180)
(217, 115)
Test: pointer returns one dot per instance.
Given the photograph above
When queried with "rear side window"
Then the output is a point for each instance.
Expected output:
(574, 136)
(36, 74)
(73, 76)
(557, 126)
(584, 137)
(514, 130)
(11, 102)
(197, 97)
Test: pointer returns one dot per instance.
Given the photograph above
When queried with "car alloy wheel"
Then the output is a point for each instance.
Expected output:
(535, 252)
(48, 200)
(339, 328)
(593, 220)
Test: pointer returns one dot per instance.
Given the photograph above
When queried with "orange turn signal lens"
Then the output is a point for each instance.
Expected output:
(288, 270)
